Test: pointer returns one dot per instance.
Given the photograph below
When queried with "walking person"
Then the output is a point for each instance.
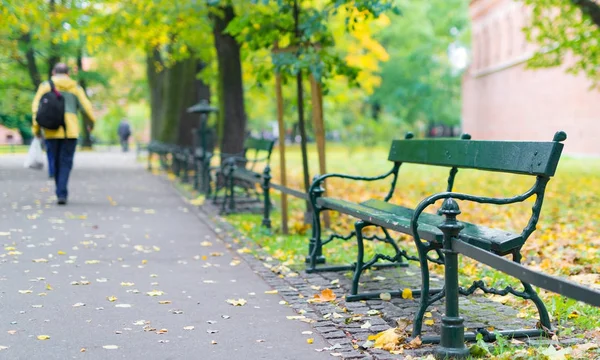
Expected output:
(124, 132)
(56, 103)
(50, 160)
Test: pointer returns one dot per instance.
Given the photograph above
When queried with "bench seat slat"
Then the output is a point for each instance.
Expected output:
(395, 217)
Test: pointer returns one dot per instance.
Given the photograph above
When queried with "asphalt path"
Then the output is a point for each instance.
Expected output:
(127, 271)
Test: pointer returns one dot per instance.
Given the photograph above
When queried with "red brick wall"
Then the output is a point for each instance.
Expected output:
(503, 100)
(5, 134)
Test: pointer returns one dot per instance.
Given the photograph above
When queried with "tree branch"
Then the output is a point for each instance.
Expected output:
(590, 8)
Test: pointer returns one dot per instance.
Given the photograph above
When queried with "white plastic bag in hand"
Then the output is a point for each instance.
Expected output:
(35, 156)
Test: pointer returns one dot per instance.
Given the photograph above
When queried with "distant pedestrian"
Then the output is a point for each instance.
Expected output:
(124, 132)
(55, 109)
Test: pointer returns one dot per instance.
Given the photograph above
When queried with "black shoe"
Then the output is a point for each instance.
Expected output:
(62, 201)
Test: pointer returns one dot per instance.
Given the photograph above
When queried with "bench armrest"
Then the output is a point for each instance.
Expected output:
(316, 184)
(537, 188)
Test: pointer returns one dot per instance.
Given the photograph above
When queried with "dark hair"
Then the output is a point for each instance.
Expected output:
(61, 68)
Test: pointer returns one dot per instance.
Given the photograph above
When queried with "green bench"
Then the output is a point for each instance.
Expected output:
(536, 159)
(164, 151)
(236, 178)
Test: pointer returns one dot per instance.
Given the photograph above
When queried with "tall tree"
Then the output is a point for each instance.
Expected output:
(420, 82)
(568, 32)
(231, 89)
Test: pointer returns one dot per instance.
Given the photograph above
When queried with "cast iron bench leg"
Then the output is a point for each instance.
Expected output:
(539, 304)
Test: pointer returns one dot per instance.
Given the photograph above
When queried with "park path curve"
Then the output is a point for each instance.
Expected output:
(127, 233)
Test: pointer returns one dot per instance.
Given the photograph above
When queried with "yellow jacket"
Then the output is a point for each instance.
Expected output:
(75, 99)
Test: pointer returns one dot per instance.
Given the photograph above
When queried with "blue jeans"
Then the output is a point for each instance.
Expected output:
(50, 160)
(63, 152)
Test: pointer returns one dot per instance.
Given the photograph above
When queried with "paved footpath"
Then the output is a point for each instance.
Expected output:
(127, 271)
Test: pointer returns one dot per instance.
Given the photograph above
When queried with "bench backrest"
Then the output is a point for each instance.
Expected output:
(257, 150)
(517, 157)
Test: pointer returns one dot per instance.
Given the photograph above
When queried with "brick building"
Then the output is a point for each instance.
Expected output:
(503, 100)
(9, 136)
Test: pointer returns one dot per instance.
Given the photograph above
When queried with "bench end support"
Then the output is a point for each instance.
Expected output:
(452, 345)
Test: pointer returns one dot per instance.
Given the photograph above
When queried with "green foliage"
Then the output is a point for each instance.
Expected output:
(300, 36)
(565, 35)
(419, 82)
(137, 114)
(106, 130)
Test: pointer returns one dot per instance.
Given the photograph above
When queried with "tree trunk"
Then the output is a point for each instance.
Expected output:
(230, 77)
(155, 74)
(32, 69)
(86, 122)
(194, 92)
(179, 80)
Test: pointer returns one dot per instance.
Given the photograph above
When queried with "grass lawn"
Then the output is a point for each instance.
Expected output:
(13, 149)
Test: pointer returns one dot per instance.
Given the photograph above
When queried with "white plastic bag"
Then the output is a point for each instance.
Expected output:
(35, 156)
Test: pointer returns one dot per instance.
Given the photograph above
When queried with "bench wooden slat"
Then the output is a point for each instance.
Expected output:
(519, 157)
(398, 218)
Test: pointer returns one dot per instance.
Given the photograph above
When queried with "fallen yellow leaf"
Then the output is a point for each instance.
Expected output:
(407, 294)
(310, 340)
(428, 322)
(385, 296)
(271, 292)
(388, 339)
(238, 302)
(111, 298)
(155, 293)
(325, 296)
(164, 302)
(43, 337)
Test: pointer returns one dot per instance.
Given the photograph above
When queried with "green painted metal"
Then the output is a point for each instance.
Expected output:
(545, 281)
(315, 247)
(256, 151)
(452, 344)
(538, 159)
(398, 218)
(259, 144)
(266, 221)
(530, 158)
(362, 265)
